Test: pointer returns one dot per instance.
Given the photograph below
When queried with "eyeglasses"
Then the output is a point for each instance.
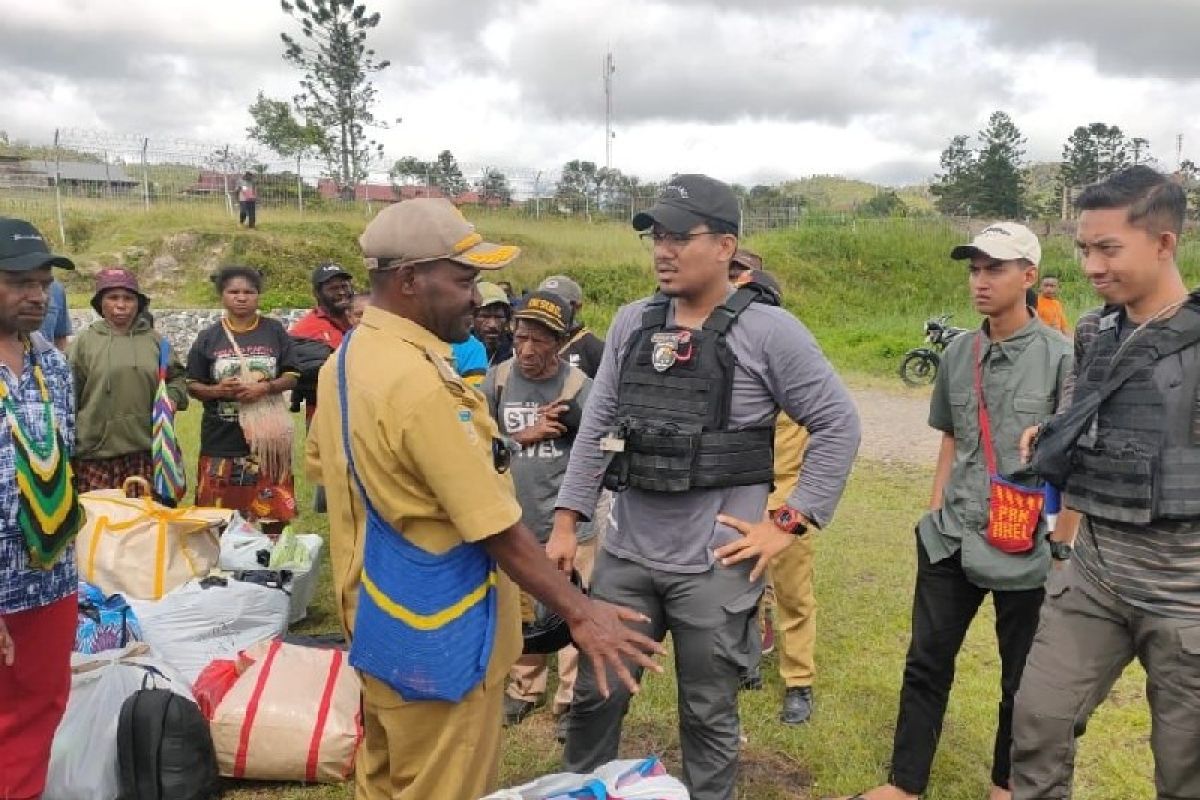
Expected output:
(675, 241)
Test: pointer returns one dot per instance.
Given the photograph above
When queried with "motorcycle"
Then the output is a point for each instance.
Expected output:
(920, 365)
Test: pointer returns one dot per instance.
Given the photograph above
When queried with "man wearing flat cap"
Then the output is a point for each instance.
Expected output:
(425, 531)
(39, 515)
(680, 423)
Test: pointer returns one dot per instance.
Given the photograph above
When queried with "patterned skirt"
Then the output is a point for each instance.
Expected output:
(239, 484)
(110, 473)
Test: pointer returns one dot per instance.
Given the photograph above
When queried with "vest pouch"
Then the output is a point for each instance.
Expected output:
(1178, 497)
(1013, 515)
(1113, 482)
(425, 622)
(661, 455)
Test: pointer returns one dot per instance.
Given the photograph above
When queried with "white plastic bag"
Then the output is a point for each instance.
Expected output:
(202, 621)
(240, 545)
(639, 779)
(306, 571)
(83, 758)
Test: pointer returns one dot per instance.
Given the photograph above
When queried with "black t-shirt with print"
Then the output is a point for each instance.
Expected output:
(584, 350)
(268, 352)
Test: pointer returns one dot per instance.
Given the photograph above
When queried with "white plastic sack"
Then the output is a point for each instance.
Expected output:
(304, 576)
(240, 545)
(83, 758)
(193, 625)
(638, 779)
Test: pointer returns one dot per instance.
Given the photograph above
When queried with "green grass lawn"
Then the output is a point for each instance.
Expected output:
(865, 568)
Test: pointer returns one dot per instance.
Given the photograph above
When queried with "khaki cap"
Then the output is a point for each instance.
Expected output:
(490, 294)
(1005, 241)
(429, 229)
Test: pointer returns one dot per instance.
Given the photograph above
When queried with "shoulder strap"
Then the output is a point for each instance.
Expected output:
(654, 315)
(573, 384)
(345, 407)
(985, 422)
(1181, 340)
(503, 372)
(575, 338)
(723, 316)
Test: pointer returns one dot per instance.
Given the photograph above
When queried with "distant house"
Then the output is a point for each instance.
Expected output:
(211, 182)
(390, 193)
(79, 176)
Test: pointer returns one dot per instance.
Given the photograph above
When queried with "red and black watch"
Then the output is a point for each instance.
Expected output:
(789, 520)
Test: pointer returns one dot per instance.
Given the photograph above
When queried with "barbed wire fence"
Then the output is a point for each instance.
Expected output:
(140, 172)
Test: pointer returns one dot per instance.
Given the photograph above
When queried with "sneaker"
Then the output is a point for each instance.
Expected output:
(797, 705)
(515, 710)
(768, 634)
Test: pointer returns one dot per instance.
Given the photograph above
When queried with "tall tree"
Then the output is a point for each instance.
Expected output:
(577, 181)
(1092, 153)
(998, 163)
(337, 95)
(446, 175)
(957, 184)
(493, 185)
(410, 171)
(275, 125)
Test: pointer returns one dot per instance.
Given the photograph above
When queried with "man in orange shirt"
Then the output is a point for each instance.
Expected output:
(1049, 307)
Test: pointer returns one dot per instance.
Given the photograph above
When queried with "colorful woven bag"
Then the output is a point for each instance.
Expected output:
(170, 480)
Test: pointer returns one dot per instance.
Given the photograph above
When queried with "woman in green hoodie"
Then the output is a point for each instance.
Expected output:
(115, 361)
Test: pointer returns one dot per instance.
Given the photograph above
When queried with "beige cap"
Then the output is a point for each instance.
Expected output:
(428, 229)
(490, 294)
(1004, 241)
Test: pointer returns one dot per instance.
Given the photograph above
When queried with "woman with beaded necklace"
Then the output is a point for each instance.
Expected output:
(239, 369)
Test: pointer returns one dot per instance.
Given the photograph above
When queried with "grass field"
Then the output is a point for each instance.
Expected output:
(865, 567)
(863, 286)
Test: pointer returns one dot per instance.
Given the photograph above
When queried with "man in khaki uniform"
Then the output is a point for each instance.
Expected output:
(423, 448)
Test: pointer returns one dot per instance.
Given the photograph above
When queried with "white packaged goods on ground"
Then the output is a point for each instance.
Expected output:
(83, 761)
(210, 619)
(291, 715)
(244, 547)
(641, 779)
(138, 548)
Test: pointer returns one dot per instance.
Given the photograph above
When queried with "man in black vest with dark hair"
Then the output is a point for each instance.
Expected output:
(1132, 589)
(680, 424)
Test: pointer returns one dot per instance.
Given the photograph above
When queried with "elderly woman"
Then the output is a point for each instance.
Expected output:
(115, 361)
(239, 368)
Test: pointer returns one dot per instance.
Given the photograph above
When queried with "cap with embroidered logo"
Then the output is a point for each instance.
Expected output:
(1004, 241)
(690, 200)
(327, 272)
(23, 248)
(429, 229)
(549, 309)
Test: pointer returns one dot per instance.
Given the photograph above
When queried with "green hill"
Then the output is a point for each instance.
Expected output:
(833, 193)
(863, 286)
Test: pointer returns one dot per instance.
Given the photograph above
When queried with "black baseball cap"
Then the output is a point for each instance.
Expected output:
(328, 271)
(23, 248)
(690, 200)
(548, 308)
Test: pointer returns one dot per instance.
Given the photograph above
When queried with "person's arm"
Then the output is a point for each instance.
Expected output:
(581, 484)
(198, 378)
(598, 629)
(941, 473)
(176, 381)
(77, 360)
(807, 389)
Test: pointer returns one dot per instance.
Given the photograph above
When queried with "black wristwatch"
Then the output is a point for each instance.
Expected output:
(789, 520)
(1059, 551)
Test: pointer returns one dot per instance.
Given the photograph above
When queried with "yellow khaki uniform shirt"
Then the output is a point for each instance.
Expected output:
(790, 441)
(422, 444)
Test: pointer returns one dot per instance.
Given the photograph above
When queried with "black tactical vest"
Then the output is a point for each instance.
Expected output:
(673, 400)
(1140, 460)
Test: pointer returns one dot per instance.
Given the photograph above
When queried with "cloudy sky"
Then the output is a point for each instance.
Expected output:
(754, 91)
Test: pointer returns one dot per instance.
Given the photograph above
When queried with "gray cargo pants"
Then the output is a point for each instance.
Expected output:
(1085, 639)
(710, 617)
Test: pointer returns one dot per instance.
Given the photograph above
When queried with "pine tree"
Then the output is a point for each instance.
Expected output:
(1001, 182)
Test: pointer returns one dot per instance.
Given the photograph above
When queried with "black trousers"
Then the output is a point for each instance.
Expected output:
(944, 604)
(246, 210)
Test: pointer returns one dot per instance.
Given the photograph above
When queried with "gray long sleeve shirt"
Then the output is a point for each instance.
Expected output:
(779, 365)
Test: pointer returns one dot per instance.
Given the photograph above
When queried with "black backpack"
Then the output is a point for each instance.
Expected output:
(165, 749)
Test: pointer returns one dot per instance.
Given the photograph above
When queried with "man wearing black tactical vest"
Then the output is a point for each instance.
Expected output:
(680, 424)
(1132, 589)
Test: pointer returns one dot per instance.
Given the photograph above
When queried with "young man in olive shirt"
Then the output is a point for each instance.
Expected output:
(1023, 366)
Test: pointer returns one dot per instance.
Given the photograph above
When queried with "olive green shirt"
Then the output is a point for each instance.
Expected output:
(1023, 377)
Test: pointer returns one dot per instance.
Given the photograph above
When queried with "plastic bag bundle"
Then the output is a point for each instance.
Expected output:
(83, 758)
(643, 779)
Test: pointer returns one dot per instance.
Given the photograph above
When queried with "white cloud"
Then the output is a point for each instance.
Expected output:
(768, 90)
